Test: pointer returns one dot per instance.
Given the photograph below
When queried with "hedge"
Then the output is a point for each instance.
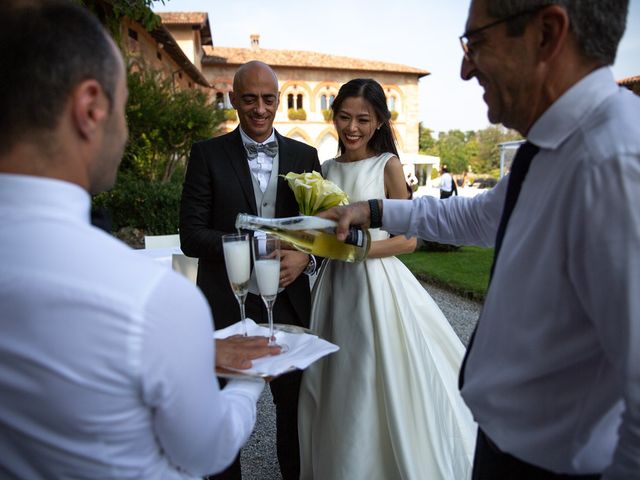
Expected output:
(150, 206)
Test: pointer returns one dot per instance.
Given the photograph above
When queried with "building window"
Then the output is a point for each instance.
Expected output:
(392, 103)
(295, 103)
(133, 40)
(326, 101)
(220, 100)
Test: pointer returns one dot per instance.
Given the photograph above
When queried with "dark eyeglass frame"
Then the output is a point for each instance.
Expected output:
(464, 38)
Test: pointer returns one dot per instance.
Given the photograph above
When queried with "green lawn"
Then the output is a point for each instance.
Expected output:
(464, 271)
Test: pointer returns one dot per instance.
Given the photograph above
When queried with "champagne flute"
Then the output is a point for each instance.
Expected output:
(237, 258)
(266, 264)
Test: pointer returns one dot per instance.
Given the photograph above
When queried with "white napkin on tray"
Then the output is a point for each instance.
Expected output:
(304, 349)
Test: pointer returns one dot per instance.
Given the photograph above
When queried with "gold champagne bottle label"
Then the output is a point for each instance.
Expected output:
(312, 235)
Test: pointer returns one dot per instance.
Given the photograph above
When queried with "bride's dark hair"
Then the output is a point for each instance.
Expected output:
(383, 140)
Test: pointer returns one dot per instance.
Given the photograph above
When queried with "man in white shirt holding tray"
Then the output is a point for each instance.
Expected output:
(106, 358)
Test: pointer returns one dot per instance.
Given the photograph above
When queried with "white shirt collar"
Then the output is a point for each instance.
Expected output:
(246, 139)
(59, 197)
(564, 116)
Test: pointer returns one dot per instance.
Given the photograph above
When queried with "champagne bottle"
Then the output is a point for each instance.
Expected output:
(313, 235)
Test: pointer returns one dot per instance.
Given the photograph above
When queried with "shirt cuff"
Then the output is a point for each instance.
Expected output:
(396, 216)
(251, 387)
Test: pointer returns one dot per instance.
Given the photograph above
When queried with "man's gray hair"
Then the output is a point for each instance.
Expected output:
(597, 24)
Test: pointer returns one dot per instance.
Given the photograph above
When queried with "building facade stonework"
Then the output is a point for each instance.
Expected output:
(308, 81)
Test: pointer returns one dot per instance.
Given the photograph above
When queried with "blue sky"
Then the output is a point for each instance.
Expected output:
(420, 33)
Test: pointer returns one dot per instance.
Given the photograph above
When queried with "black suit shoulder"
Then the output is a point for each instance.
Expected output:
(218, 141)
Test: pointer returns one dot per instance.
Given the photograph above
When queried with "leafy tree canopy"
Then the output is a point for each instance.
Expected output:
(111, 12)
(460, 151)
(163, 123)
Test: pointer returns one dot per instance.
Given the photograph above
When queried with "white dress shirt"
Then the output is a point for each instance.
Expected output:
(106, 358)
(553, 376)
(262, 165)
(446, 182)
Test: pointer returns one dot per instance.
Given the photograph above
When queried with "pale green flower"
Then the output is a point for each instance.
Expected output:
(313, 193)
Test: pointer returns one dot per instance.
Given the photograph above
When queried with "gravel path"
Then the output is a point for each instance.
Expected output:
(258, 457)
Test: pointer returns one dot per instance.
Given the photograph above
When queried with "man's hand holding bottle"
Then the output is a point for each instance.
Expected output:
(354, 214)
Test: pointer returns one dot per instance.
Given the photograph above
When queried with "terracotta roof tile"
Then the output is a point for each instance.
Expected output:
(183, 18)
(301, 59)
(198, 19)
(629, 80)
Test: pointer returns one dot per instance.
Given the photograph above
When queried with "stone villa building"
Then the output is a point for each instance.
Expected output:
(182, 48)
(310, 81)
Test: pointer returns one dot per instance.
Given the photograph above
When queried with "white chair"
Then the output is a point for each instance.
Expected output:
(187, 266)
(161, 241)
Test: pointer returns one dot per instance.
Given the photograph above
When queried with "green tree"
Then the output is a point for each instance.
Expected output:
(427, 143)
(112, 12)
(451, 150)
(163, 124)
(487, 159)
(477, 151)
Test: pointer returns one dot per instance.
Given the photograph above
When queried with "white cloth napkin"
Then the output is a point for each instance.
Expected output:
(304, 349)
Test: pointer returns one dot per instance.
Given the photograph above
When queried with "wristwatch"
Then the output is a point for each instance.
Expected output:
(311, 266)
(376, 213)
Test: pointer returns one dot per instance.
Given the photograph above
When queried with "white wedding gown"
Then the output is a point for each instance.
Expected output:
(386, 405)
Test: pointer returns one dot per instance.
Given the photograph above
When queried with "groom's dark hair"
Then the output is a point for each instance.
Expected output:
(48, 47)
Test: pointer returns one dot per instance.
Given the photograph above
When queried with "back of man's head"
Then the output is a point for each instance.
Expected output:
(48, 47)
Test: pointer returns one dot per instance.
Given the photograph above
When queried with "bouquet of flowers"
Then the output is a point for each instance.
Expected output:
(313, 193)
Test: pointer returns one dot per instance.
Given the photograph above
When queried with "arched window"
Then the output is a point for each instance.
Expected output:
(219, 100)
(296, 101)
(326, 101)
(391, 102)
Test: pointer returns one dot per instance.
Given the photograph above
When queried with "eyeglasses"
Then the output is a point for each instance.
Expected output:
(464, 38)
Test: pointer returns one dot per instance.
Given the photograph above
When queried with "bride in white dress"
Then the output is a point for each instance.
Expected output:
(386, 406)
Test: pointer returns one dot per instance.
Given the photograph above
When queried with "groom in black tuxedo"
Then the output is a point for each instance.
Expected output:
(240, 173)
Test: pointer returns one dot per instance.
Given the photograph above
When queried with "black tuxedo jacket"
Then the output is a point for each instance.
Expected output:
(217, 187)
